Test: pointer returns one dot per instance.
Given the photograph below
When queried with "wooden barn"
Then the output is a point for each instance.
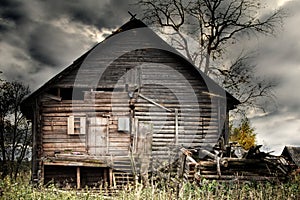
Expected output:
(125, 108)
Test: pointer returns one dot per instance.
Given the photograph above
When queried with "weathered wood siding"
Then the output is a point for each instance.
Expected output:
(95, 105)
(133, 75)
(162, 77)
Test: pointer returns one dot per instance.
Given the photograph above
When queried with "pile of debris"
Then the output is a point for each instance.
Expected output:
(233, 164)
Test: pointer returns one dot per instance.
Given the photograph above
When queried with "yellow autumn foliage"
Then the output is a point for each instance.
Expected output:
(243, 134)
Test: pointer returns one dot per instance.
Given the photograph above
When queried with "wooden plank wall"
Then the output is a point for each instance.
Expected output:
(157, 84)
(198, 120)
(55, 116)
(114, 105)
(55, 128)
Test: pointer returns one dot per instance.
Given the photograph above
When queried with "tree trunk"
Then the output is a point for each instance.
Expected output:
(14, 143)
(3, 150)
(207, 62)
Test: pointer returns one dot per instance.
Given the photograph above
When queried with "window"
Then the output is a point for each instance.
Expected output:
(76, 125)
(124, 124)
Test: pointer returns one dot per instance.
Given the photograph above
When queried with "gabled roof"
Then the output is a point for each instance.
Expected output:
(132, 24)
(292, 153)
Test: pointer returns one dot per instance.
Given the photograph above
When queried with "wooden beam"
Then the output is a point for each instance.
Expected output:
(222, 161)
(70, 163)
(153, 102)
(53, 97)
(188, 155)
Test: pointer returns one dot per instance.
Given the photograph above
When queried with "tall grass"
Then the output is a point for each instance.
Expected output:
(22, 189)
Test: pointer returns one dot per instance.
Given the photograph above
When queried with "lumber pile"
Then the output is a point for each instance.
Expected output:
(252, 165)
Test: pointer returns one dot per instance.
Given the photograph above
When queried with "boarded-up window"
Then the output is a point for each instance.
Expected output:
(76, 125)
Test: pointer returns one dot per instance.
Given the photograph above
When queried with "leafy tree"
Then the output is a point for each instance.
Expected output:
(243, 134)
(15, 137)
(215, 25)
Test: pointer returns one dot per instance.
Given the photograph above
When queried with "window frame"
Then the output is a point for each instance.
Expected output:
(76, 125)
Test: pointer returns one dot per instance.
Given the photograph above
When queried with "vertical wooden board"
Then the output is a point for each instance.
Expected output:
(101, 142)
(97, 136)
(90, 139)
(134, 132)
(145, 131)
(71, 125)
(144, 146)
(82, 125)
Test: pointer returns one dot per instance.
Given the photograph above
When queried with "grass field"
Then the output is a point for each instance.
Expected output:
(22, 189)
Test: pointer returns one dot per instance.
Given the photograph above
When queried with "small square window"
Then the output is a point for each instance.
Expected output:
(76, 125)
(124, 124)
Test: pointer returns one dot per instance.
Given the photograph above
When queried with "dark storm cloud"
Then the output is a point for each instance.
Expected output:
(279, 56)
(50, 45)
(102, 14)
(13, 10)
(36, 35)
(88, 12)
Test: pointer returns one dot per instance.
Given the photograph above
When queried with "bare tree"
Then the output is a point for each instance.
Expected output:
(252, 91)
(4, 111)
(214, 24)
(14, 129)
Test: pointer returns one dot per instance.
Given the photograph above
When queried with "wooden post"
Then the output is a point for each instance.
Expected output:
(107, 134)
(41, 177)
(181, 176)
(78, 177)
(110, 177)
(105, 177)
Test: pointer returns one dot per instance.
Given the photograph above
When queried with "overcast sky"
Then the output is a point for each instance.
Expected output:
(40, 38)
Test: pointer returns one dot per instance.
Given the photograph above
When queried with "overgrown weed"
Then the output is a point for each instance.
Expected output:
(23, 189)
